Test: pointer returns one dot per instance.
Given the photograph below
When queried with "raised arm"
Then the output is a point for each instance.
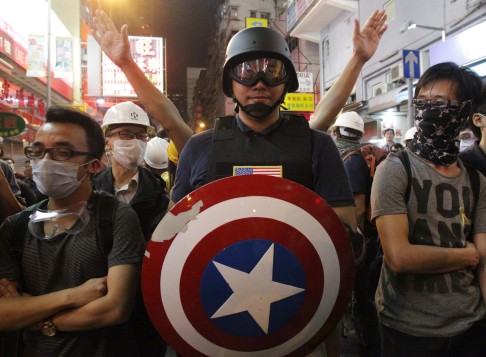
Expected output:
(117, 47)
(111, 309)
(365, 43)
(18, 312)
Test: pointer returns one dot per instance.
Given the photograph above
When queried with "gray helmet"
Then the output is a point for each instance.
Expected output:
(258, 42)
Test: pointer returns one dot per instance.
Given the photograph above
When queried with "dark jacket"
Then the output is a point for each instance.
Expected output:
(150, 201)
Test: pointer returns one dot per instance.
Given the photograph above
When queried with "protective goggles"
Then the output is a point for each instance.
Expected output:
(61, 221)
(270, 70)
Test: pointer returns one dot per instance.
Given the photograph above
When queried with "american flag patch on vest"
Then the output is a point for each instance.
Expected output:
(257, 170)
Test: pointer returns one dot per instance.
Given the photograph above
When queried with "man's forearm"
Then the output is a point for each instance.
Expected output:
(334, 99)
(20, 312)
(111, 309)
(9, 204)
(158, 105)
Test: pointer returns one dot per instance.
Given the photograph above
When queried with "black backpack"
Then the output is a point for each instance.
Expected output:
(105, 210)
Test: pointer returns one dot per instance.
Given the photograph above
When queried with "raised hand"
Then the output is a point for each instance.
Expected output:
(115, 44)
(366, 40)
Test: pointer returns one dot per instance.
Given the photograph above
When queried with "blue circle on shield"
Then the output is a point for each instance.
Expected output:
(253, 288)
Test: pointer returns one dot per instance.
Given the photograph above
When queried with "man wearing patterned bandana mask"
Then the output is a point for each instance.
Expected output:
(438, 124)
(432, 290)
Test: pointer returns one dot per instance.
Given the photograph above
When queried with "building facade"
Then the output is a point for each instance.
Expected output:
(428, 32)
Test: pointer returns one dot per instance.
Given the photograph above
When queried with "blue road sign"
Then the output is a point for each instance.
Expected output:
(411, 64)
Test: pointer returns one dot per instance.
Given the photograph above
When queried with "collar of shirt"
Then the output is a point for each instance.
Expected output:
(127, 192)
(242, 126)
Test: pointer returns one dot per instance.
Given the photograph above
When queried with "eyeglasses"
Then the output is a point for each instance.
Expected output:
(56, 154)
(438, 103)
(270, 70)
(128, 135)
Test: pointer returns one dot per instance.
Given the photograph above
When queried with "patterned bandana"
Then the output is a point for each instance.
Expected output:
(437, 129)
(344, 145)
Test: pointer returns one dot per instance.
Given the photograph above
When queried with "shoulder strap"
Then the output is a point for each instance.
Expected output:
(105, 212)
(224, 128)
(474, 178)
(403, 156)
(19, 223)
(352, 152)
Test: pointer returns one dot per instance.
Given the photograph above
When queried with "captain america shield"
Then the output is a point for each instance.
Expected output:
(248, 266)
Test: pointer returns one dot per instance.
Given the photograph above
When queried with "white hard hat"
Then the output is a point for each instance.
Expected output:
(409, 134)
(126, 113)
(156, 155)
(350, 120)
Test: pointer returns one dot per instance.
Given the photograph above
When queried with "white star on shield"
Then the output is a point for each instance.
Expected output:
(255, 291)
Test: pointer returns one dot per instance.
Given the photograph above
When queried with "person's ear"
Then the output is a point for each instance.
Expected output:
(479, 120)
(94, 167)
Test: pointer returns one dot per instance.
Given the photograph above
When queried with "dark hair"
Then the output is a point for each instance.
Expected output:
(397, 147)
(94, 135)
(387, 130)
(467, 81)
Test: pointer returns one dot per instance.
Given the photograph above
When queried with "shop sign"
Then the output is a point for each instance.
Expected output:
(10, 44)
(256, 22)
(299, 102)
(11, 124)
(306, 82)
(148, 53)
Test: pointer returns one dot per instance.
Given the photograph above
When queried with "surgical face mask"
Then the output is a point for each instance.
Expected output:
(437, 130)
(56, 179)
(71, 220)
(464, 144)
(129, 153)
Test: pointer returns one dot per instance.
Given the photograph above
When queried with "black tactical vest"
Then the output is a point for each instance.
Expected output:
(288, 146)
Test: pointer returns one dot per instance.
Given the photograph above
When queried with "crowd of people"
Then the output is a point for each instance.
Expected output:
(70, 257)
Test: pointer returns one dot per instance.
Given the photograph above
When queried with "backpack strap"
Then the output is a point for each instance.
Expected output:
(19, 223)
(352, 152)
(105, 212)
(474, 178)
(403, 156)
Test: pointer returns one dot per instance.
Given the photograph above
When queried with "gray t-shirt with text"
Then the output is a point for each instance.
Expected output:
(439, 214)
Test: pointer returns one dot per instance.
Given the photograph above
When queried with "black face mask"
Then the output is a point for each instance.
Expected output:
(259, 111)
(437, 129)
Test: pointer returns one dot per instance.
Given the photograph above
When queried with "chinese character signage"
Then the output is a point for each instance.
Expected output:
(11, 124)
(11, 44)
(299, 102)
(256, 22)
(148, 53)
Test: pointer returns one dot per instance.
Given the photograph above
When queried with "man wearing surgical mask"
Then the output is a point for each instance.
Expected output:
(432, 290)
(59, 257)
(127, 130)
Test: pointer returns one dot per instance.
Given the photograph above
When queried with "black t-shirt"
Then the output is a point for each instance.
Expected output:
(474, 157)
